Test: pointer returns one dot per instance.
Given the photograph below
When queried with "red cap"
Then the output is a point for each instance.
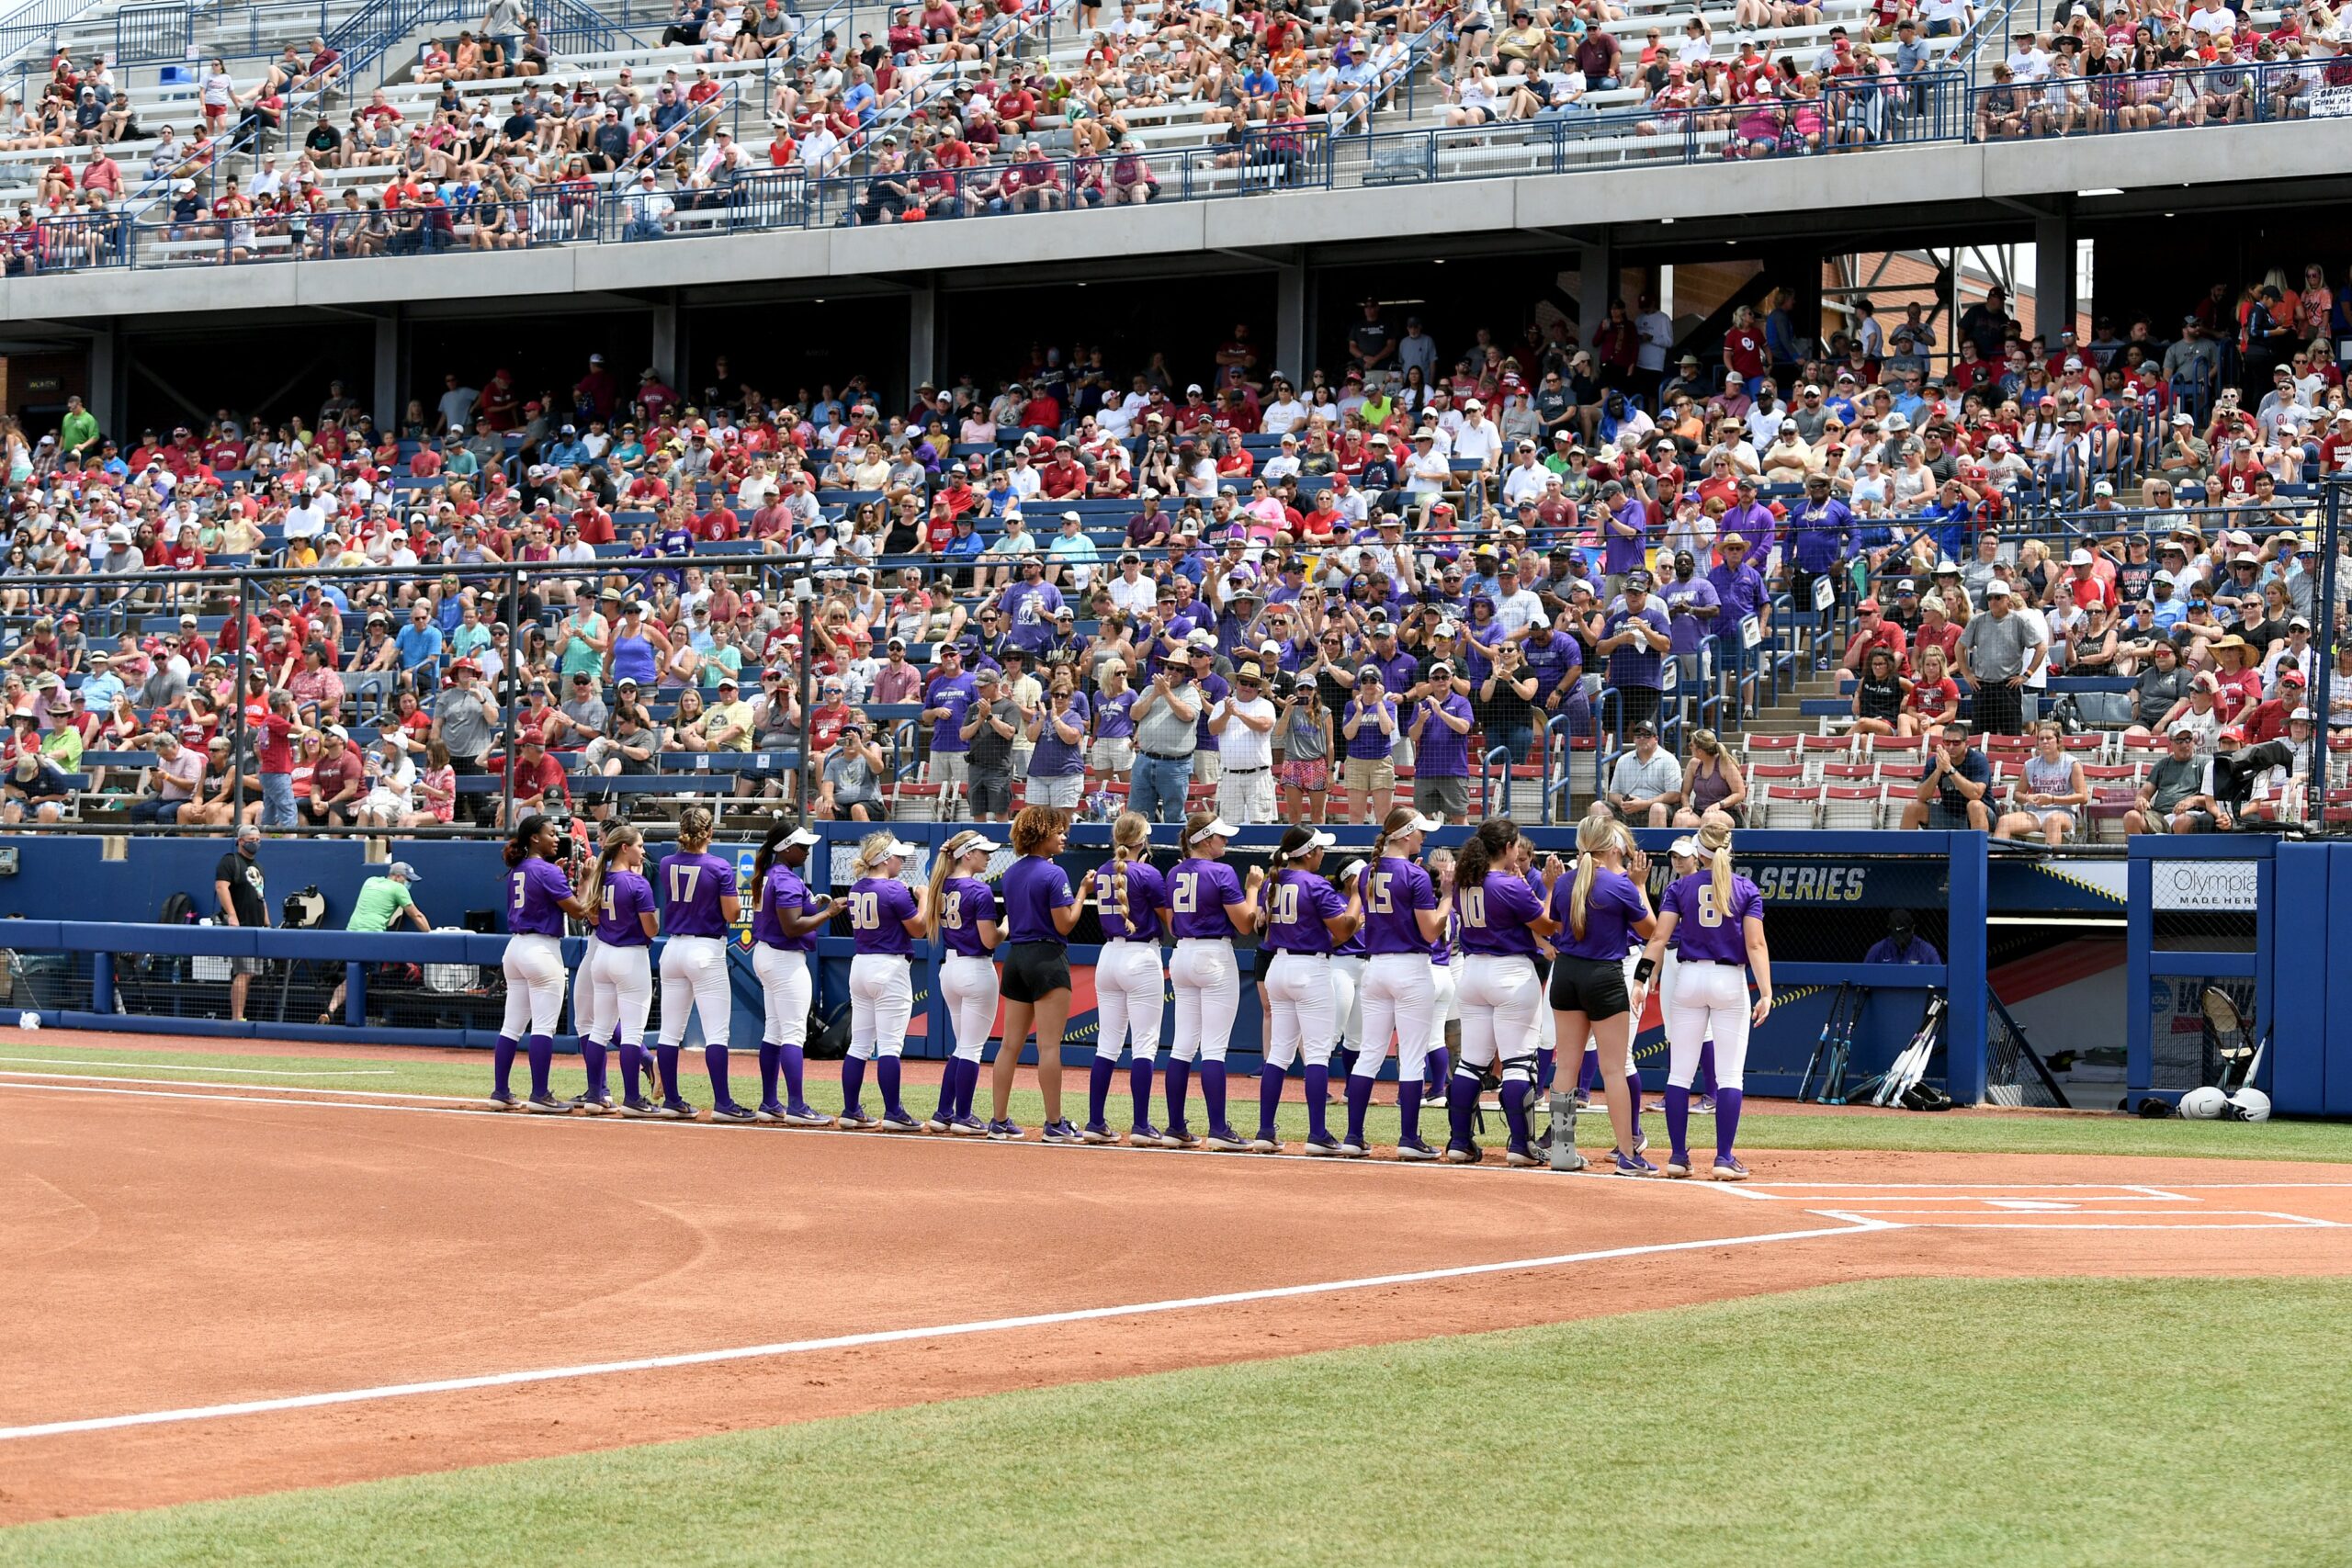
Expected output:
(2232, 733)
(532, 738)
(1870, 604)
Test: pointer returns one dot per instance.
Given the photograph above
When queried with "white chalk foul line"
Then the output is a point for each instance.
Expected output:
(203, 1068)
(1859, 1225)
(8, 1075)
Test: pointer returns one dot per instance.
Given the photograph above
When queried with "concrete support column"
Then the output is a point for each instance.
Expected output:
(666, 345)
(1294, 332)
(384, 394)
(1799, 271)
(1597, 282)
(2053, 277)
(106, 368)
(922, 339)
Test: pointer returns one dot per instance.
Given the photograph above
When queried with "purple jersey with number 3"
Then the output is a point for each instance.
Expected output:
(535, 891)
(1146, 896)
(1704, 933)
(1394, 890)
(1611, 909)
(1298, 902)
(879, 909)
(626, 895)
(691, 885)
(1198, 892)
(1496, 913)
(964, 903)
(784, 892)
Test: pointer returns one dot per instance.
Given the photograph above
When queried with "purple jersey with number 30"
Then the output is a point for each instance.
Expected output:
(964, 903)
(626, 897)
(534, 891)
(1706, 934)
(1496, 913)
(879, 909)
(1198, 892)
(1298, 902)
(691, 885)
(1394, 889)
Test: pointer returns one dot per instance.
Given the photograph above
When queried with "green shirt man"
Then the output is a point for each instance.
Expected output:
(383, 899)
(78, 431)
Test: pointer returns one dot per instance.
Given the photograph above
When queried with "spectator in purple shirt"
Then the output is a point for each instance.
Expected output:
(1638, 637)
(1441, 736)
(1750, 519)
(1692, 608)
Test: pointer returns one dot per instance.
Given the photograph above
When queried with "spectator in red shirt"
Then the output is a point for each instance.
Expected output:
(537, 775)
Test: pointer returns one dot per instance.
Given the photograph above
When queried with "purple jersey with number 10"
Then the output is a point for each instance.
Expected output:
(1393, 891)
(1496, 913)
(1707, 934)
(691, 885)
(879, 909)
(964, 903)
(1198, 892)
(535, 891)
(626, 897)
(1297, 903)
(1147, 893)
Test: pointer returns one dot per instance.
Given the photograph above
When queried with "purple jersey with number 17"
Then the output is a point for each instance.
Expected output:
(1707, 934)
(1496, 913)
(534, 891)
(691, 885)
(1198, 891)
(626, 897)
(1394, 890)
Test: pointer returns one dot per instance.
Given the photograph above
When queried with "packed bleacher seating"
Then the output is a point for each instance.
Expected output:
(1507, 586)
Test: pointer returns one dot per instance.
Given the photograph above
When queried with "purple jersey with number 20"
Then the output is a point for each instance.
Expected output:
(1703, 933)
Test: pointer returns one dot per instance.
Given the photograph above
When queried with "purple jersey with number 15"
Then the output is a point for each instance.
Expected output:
(535, 891)
(1707, 934)
(626, 897)
(1394, 890)
(691, 885)
(1198, 892)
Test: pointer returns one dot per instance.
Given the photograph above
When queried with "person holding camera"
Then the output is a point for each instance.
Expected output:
(851, 785)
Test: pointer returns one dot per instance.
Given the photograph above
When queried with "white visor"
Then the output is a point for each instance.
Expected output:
(990, 846)
(1686, 848)
(1216, 828)
(901, 848)
(803, 836)
(1322, 841)
(1420, 824)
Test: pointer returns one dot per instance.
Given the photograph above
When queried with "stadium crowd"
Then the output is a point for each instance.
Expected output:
(1408, 576)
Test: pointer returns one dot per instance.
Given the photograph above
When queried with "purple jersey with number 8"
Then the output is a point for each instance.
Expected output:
(691, 885)
(626, 895)
(535, 891)
(1705, 934)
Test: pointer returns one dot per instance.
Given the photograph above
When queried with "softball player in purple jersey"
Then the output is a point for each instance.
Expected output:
(1348, 961)
(617, 974)
(883, 920)
(786, 916)
(1500, 906)
(1445, 981)
(1402, 915)
(699, 905)
(1306, 917)
(1599, 907)
(962, 911)
(538, 896)
(1208, 904)
(1130, 981)
(1681, 861)
(1718, 919)
(1041, 909)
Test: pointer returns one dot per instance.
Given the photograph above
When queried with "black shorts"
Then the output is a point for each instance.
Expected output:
(1034, 970)
(1593, 987)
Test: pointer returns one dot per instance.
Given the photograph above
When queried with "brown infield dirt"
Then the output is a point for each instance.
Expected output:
(183, 1247)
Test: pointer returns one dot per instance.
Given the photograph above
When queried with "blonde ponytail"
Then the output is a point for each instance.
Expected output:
(943, 866)
(872, 850)
(1715, 842)
(616, 838)
(1595, 836)
(1130, 830)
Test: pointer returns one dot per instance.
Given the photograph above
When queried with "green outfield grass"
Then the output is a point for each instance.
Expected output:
(2132, 1423)
(1959, 1131)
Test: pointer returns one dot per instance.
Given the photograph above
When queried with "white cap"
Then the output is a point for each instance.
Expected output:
(1216, 827)
(804, 837)
(2303, 714)
(2080, 557)
(1686, 846)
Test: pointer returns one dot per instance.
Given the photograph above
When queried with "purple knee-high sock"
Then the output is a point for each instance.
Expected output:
(1705, 1082)
(886, 1078)
(1139, 1086)
(1439, 1069)
(714, 1061)
(853, 1083)
(1408, 1112)
(542, 1052)
(1213, 1093)
(501, 1063)
(951, 1076)
(1514, 1098)
(1098, 1088)
(1461, 1104)
(1727, 1103)
(1589, 1072)
(592, 1055)
(967, 1083)
(1359, 1101)
(788, 1059)
(771, 1062)
(1319, 1095)
(632, 1069)
(1179, 1079)
(1677, 1122)
(1270, 1098)
(1547, 1067)
(665, 1058)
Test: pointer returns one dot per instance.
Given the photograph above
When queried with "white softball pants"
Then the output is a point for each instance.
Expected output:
(881, 1001)
(1501, 1001)
(786, 990)
(1130, 999)
(1207, 983)
(534, 985)
(620, 992)
(1347, 997)
(1302, 1018)
(1399, 999)
(1446, 1004)
(971, 987)
(1708, 998)
(694, 979)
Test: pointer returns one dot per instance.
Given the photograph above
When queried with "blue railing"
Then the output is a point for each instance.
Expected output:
(2234, 93)
(35, 25)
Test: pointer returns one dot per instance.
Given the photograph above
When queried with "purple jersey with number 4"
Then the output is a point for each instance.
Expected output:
(535, 891)
(1034, 888)
(784, 892)
(1198, 892)
(626, 897)
(1611, 911)
(964, 903)
(1394, 890)
(1146, 896)
(1705, 934)
(691, 887)
(1298, 902)
(879, 909)
(1496, 913)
